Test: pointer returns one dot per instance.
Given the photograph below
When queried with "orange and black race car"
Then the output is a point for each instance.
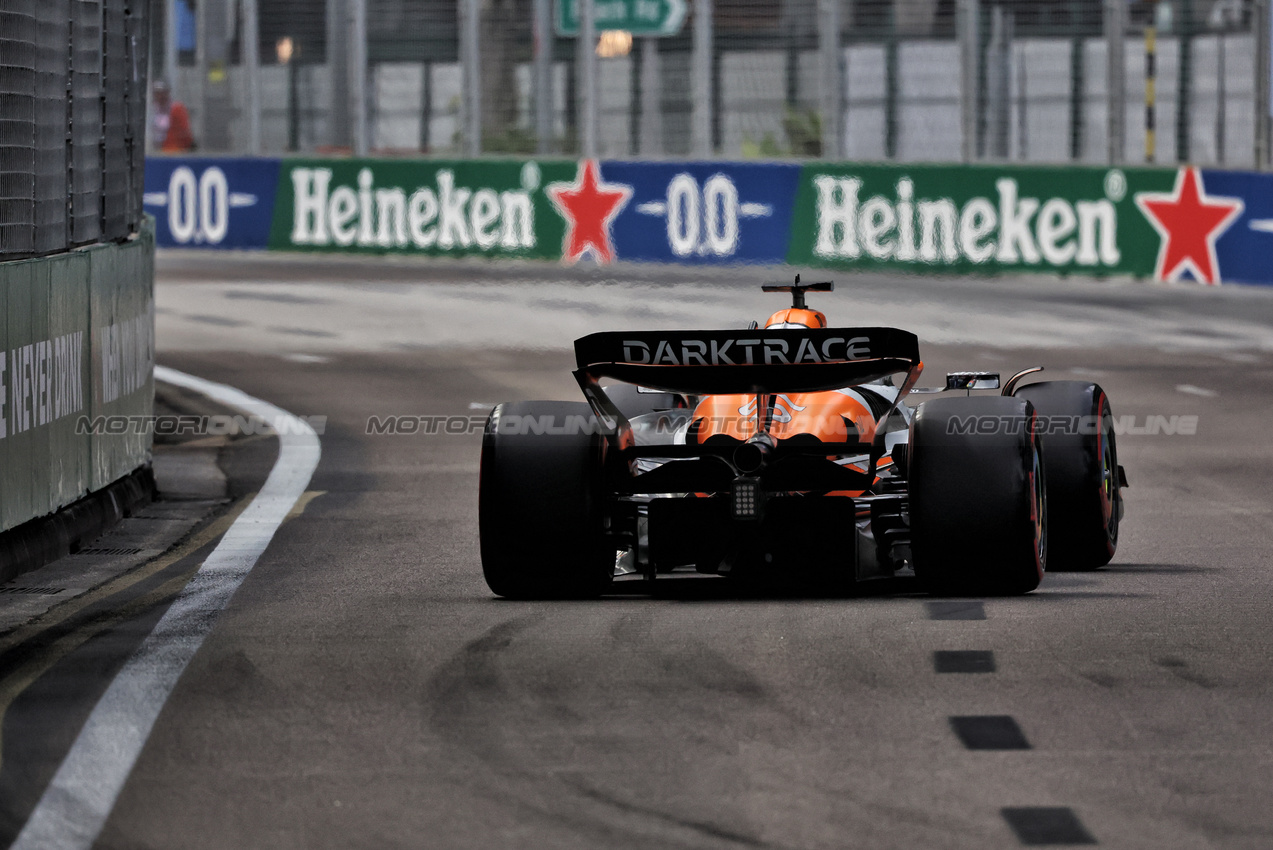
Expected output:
(795, 450)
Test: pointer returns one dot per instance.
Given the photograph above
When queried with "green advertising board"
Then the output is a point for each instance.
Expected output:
(933, 218)
(77, 357)
(492, 208)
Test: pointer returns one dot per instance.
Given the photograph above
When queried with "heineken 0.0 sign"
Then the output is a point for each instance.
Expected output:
(639, 17)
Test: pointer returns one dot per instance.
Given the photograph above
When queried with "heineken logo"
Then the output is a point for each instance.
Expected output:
(1009, 229)
(444, 215)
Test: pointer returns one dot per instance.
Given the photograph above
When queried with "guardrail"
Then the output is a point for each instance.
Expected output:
(1163, 224)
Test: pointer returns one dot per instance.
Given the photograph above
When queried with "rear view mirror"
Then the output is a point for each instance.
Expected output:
(972, 380)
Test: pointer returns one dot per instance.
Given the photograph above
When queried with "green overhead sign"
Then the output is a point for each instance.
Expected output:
(639, 17)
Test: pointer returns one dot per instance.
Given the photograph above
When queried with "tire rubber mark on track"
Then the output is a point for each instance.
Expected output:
(1047, 826)
(75, 806)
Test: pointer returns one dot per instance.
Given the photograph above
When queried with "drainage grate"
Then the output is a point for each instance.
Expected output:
(109, 551)
(31, 591)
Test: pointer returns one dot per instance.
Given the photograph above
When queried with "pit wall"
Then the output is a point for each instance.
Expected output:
(1162, 224)
(76, 345)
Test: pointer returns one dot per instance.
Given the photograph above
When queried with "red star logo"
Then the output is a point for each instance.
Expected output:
(588, 206)
(1189, 222)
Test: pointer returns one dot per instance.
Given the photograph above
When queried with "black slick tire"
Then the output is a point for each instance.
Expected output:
(978, 511)
(1085, 502)
(540, 504)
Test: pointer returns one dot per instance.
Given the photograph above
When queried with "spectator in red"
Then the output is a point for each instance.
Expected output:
(172, 122)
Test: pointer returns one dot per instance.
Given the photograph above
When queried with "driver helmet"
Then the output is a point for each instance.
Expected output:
(793, 317)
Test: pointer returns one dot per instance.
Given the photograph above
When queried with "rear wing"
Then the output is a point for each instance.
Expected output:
(753, 361)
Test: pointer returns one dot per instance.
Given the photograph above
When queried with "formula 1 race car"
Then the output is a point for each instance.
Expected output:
(794, 450)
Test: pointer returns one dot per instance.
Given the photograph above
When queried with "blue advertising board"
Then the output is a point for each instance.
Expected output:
(1244, 250)
(703, 212)
(200, 202)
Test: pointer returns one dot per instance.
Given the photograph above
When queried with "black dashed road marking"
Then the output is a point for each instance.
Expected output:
(1047, 826)
(956, 609)
(963, 661)
(989, 732)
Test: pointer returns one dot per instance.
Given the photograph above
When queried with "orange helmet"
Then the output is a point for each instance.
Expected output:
(794, 317)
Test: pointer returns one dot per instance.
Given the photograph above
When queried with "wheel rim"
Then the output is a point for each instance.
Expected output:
(1038, 503)
(1109, 472)
(1109, 481)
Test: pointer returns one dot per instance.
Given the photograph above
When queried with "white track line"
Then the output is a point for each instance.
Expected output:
(77, 802)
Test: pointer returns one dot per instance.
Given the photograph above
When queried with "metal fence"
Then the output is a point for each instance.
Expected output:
(72, 122)
(908, 80)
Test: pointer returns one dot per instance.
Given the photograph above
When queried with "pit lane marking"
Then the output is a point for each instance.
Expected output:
(956, 609)
(1039, 826)
(76, 804)
(989, 732)
(963, 661)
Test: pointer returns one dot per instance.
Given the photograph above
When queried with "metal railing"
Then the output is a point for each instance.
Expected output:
(943, 80)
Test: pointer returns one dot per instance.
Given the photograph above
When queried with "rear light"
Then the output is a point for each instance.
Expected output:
(747, 497)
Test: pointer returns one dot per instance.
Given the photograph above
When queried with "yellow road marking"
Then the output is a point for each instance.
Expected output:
(303, 502)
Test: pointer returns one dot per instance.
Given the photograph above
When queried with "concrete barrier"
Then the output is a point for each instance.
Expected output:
(77, 359)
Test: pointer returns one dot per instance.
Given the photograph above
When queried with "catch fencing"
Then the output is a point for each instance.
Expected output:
(72, 123)
(1047, 81)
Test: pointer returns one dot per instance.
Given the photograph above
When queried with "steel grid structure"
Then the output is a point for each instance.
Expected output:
(902, 80)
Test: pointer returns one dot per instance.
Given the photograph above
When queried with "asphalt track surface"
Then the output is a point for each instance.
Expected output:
(364, 689)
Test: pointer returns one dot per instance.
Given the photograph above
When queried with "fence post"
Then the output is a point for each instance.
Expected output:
(832, 72)
(1151, 94)
(701, 81)
(543, 76)
(1115, 79)
(892, 86)
(358, 74)
(252, 70)
(998, 82)
(1184, 85)
(338, 75)
(199, 95)
(586, 55)
(651, 99)
(968, 34)
(1263, 23)
(1078, 82)
(471, 76)
(171, 33)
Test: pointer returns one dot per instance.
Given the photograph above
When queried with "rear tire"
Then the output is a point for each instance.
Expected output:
(540, 503)
(1084, 500)
(978, 509)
